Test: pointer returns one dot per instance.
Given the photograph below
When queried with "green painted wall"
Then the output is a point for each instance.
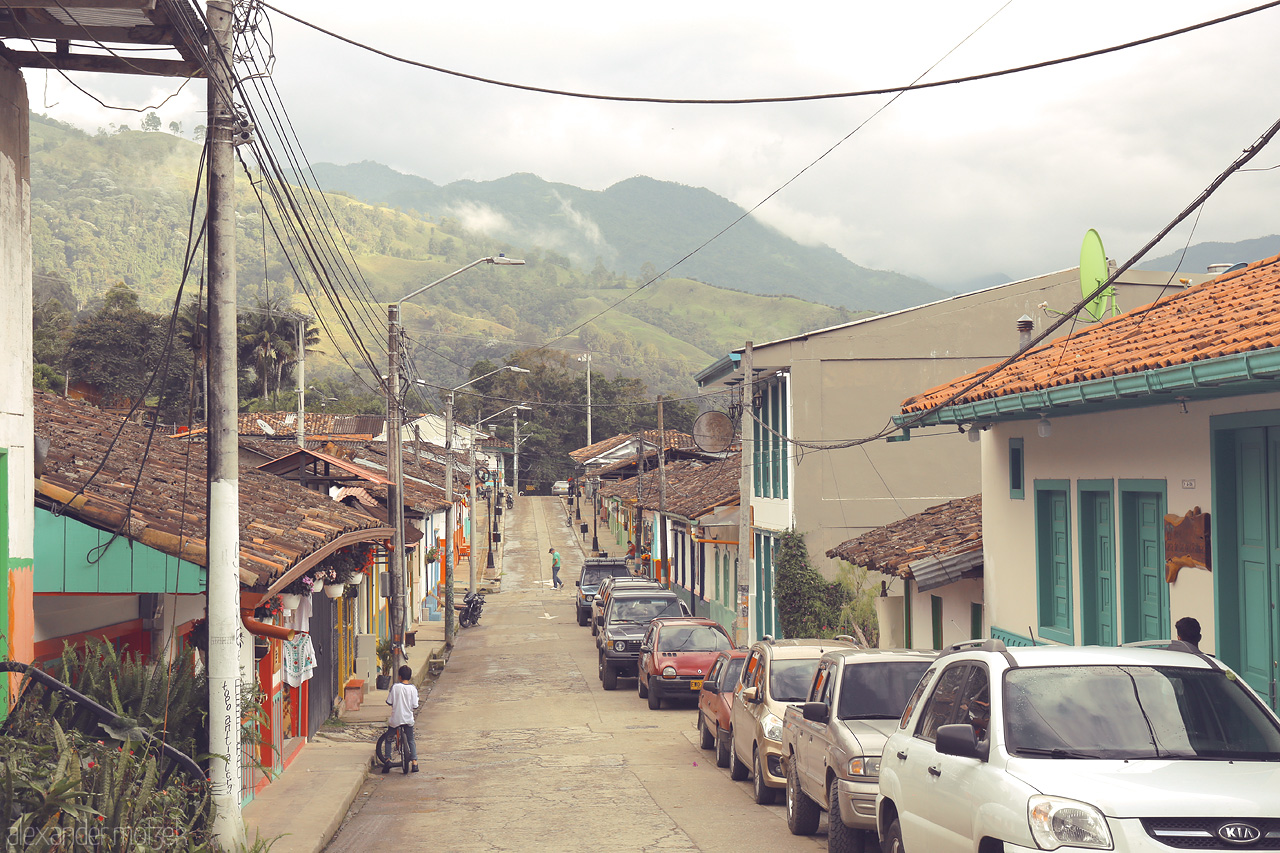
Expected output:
(72, 557)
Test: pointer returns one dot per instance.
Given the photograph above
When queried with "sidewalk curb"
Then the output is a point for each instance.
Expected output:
(303, 818)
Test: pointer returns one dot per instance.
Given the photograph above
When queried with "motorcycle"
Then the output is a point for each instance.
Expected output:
(511, 502)
(469, 609)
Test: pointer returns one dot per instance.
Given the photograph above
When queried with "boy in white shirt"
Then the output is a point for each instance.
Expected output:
(403, 699)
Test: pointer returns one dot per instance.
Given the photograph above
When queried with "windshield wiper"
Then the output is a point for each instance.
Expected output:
(1053, 752)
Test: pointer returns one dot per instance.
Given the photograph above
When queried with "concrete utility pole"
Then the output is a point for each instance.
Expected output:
(515, 462)
(746, 543)
(471, 552)
(223, 459)
(639, 531)
(448, 522)
(662, 497)
(302, 381)
(395, 489)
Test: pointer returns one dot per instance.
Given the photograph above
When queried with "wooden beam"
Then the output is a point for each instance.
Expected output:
(142, 34)
(144, 5)
(105, 64)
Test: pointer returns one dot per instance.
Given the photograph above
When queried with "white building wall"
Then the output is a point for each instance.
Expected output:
(1155, 443)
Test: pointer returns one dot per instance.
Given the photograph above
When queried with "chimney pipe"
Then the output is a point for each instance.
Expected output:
(1025, 326)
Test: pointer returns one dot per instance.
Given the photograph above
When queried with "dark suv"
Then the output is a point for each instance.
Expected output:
(626, 618)
(595, 570)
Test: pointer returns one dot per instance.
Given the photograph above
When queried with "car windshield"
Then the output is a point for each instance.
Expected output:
(732, 669)
(593, 576)
(789, 680)
(642, 610)
(692, 638)
(1131, 712)
(878, 691)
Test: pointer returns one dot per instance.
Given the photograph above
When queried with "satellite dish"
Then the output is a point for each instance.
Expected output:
(1093, 272)
(482, 474)
(713, 432)
(266, 427)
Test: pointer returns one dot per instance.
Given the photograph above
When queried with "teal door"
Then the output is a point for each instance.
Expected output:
(1146, 593)
(1255, 465)
(1097, 568)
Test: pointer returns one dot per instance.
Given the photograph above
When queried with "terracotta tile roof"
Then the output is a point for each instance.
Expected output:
(280, 522)
(954, 527)
(284, 425)
(374, 482)
(651, 438)
(694, 487)
(1231, 314)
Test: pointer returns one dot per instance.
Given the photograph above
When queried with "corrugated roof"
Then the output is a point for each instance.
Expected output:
(939, 532)
(1229, 315)
(652, 438)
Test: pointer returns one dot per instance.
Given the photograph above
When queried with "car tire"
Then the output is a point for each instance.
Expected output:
(763, 793)
(722, 747)
(595, 629)
(738, 771)
(706, 739)
(642, 686)
(582, 620)
(802, 812)
(655, 701)
(892, 839)
(609, 676)
(841, 838)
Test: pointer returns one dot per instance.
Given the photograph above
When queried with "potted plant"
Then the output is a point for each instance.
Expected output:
(333, 585)
(433, 554)
(386, 657)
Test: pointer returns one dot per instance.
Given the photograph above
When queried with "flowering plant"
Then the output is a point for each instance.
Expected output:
(300, 586)
(269, 608)
(326, 576)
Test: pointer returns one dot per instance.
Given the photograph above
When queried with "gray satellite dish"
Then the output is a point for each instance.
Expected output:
(713, 432)
(266, 427)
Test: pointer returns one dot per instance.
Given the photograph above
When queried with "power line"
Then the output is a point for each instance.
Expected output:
(860, 93)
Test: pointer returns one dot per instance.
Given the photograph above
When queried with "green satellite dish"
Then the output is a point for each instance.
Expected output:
(1093, 272)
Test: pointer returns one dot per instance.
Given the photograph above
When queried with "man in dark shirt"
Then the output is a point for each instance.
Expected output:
(1188, 628)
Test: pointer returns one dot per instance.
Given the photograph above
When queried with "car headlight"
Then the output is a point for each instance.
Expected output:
(864, 766)
(619, 645)
(772, 727)
(1057, 822)
(668, 672)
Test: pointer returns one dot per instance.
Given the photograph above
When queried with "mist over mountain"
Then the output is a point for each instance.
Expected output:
(639, 227)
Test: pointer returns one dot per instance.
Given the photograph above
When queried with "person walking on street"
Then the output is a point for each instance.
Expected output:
(403, 699)
(556, 583)
(1188, 628)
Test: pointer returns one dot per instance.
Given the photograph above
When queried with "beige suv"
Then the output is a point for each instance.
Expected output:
(777, 673)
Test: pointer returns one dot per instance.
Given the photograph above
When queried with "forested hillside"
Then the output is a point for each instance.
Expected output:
(115, 207)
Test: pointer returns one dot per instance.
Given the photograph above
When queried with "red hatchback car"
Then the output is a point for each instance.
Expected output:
(716, 700)
(676, 654)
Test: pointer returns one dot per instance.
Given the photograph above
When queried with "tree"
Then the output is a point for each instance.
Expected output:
(115, 349)
(193, 335)
(801, 593)
(198, 133)
(151, 122)
(269, 342)
(175, 127)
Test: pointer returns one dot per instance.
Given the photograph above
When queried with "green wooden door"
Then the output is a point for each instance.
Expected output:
(1155, 607)
(1255, 532)
(1097, 569)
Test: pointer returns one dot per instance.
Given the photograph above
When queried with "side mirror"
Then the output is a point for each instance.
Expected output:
(961, 740)
(816, 712)
(646, 648)
(710, 687)
(750, 694)
(577, 583)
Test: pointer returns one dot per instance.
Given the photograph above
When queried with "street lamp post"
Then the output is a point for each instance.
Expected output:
(395, 492)
(448, 496)
(488, 562)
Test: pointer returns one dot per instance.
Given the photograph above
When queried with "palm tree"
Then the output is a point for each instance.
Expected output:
(193, 334)
(269, 341)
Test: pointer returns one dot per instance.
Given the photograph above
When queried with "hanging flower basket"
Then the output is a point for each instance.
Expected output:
(290, 600)
(334, 590)
(356, 578)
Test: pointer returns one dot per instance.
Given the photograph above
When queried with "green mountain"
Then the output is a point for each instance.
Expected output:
(640, 226)
(115, 207)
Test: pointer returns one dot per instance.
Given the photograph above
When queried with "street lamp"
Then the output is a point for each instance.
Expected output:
(448, 496)
(395, 493)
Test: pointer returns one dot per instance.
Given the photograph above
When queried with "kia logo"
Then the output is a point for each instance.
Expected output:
(1239, 833)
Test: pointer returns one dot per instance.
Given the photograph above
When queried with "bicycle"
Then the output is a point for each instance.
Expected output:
(391, 750)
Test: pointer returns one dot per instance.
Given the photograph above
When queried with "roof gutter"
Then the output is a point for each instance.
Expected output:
(1217, 377)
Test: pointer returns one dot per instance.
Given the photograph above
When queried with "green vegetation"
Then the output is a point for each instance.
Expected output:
(114, 208)
(811, 606)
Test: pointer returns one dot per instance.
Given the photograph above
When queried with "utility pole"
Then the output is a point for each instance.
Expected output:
(639, 533)
(395, 496)
(302, 382)
(223, 452)
(662, 496)
(471, 552)
(448, 522)
(515, 462)
(746, 542)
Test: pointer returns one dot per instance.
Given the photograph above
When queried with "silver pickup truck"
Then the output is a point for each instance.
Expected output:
(831, 744)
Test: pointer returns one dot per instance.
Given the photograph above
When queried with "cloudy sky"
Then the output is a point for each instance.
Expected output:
(1000, 176)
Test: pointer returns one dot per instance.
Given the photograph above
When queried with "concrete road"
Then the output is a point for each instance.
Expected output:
(521, 748)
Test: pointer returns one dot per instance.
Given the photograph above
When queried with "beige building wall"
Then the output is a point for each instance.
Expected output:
(1155, 443)
(846, 382)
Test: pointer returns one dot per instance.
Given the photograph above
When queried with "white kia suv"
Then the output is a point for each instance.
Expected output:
(1061, 747)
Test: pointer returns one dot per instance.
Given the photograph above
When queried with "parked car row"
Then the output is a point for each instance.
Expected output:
(981, 747)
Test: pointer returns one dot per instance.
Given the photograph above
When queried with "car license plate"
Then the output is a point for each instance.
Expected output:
(695, 685)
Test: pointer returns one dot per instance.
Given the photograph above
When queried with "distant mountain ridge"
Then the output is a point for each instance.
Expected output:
(635, 224)
(1199, 256)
